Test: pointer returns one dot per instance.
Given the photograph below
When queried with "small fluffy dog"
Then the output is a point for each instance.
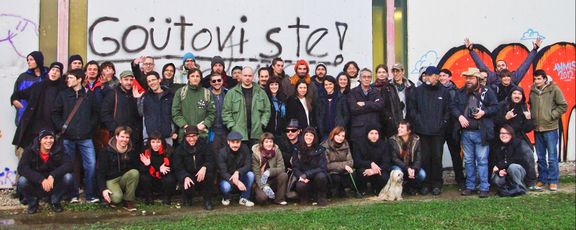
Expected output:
(393, 189)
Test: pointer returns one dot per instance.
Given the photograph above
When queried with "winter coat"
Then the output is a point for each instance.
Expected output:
(513, 152)
(83, 122)
(494, 79)
(275, 164)
(369, 152)
(35, 170)
(157, 112)
(338, 157)
(234, 112)
(307, 163)
(112, 164)
(188, 160)
(24, 81)
(192, 105)
(227, 162)
(489, 105)
(395, 146)
(393, 111)
(157, 159)
(430, 109)
(288, 149)
(37, 116)
(120, 108)
(519, 123)
(324, 122)
(364, 117)
(295, 110)
(452, 89)
(277, 123)
(547, 106)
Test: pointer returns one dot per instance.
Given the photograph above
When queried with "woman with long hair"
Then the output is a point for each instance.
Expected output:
(268, 167)
(340, 161)
(405, 147)
(310, 167)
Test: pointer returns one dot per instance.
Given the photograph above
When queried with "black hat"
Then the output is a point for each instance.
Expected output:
(38, 58)
(293, 124)
(191, 130)
(217, 60)
(234, 136)
(45, 133)
(56, 65)
(75, 57)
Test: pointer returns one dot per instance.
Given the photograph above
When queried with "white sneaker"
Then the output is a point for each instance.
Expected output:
(74, 200)
(93, 200)
(225, 202)
(246, 202)
(283, 203)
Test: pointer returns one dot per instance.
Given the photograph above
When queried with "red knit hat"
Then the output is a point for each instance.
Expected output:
(301, 62)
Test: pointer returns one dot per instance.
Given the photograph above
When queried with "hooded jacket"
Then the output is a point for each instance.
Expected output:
(84, 121)
(35, 170)
(192, 105)
(395, 146)
(275, 164)
(27, 79)
(307, 163)
(189, 159)
(228, 161)
(547, 106)
(338, 156)
(113, 164)
(430, 109)
(519, 123)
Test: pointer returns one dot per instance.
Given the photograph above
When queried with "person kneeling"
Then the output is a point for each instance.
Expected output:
(509, 172)
(234, 167)
(268, 165)
(44, 171)
(405, 147)
(194, 166)
(117, 170)
(310, 167)
(155, 170)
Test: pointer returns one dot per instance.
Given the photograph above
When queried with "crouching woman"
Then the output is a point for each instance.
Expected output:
(268, 165)
(511, 163)
(405, 147)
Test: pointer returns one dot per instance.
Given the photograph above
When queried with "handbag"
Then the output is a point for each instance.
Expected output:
(291, 188)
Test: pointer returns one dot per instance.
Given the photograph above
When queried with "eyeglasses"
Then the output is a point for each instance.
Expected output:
(148, 63)
(291, 130)
(217, 80)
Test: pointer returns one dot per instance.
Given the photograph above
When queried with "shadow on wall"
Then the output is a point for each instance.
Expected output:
(558, 60)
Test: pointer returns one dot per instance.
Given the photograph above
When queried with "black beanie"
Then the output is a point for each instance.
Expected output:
(38, 57)
(45, 133)
(57, 65)
(74, 58)
(216, 60)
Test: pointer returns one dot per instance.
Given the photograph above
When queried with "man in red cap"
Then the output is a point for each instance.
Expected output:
(301, 70)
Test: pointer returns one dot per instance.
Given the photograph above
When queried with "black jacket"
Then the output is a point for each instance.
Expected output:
(288, 149)
(35, 170)
(157, 112)
(519, 123)
(84, 121)
(370, 152)
(430, 109)
(189, 159)
(295, 110)
(395, 147)
(392, 113)
(157, 159)
(41, 98)
(112, 164)
(308, 163)
(511, 152)
(337, 118)
(364, 117)
(228, 162)
(489, 105)
(119, 108)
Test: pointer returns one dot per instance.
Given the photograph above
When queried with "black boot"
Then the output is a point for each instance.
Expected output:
(56, 207)
(208, 205)
(32, 205)
(167, 200)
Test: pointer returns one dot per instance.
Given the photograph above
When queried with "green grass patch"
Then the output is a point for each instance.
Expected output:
(545, 211)
(566, 179)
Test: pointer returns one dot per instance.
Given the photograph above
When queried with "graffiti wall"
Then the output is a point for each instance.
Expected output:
(18, 37)
(242, 33)
(500, 30)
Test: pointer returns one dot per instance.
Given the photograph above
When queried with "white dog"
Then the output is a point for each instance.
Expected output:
(393, 189)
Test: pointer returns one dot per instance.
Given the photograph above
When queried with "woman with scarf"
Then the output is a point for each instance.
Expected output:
(310, 167)
(372, 162)
(268, 166)
(329, 113)
(405, 150)
(277, 121)
(155, 176)
(340, 161)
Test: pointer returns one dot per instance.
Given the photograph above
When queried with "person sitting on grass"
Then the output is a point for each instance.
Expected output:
(44, 171)
(234, 162)
(511, 163)
(268, 165)
(340, 161)
(405, 151)
(117, 170)
(155, 170)
(310, 167)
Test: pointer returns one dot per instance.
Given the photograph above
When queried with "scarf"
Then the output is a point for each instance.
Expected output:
(155, 173)
(266, 155)
(294, 79)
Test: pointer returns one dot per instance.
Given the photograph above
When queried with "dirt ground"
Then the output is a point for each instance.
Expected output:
(12, 214)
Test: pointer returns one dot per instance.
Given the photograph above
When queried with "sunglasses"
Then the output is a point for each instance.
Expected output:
(291, 130)
(217, 80)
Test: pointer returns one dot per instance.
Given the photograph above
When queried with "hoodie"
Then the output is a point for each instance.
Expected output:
(113, 164)
(519, 123)
(27, 79)
(35, 170)
(547, 106)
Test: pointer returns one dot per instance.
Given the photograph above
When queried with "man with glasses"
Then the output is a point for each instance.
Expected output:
(288, 143)
(218, 130)
(147, 63)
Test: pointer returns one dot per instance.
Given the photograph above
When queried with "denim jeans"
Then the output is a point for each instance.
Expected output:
(475, 159)
(247, 179)
(548, 171)
(86, 148)
(33, 191)
(420, 175)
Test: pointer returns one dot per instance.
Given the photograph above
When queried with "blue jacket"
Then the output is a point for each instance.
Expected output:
(157, 112)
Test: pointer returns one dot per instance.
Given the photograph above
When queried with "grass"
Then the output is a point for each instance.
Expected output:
(567, 179)
(544, 211)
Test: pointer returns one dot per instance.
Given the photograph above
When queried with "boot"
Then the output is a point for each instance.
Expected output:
(32, 205)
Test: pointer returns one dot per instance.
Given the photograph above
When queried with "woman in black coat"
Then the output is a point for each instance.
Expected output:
(372, 162)
(328, 108)
(300, 107)
(155, 167)
(511, 165)
(310, 167)
(277, 98)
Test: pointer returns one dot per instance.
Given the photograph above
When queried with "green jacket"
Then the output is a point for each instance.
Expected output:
(547, 106)
(190, 106)
(234, 111)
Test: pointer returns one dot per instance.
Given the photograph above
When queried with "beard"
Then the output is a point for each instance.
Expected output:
(470, 88)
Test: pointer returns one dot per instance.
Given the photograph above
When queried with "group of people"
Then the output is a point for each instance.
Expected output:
(276, 138)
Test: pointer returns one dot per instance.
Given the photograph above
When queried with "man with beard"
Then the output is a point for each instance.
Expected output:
(473, 106)
(301, 70)
(430, 113)
(218, 130)
(217, 67)
(319, 75)
(277, 69)
(263, 76)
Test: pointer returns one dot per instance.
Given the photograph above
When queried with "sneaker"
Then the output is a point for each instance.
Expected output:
(553, 187)
(540, 185)
(92, 200)
(484, 194)
(129, 205)
(246, 202)
(74, 200)
(268, 191)
(535, 188)
(282, 203)
(436, 191)
(225, 202)
(467, 192)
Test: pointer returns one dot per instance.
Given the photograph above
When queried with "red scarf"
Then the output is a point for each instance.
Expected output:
(153, 171)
